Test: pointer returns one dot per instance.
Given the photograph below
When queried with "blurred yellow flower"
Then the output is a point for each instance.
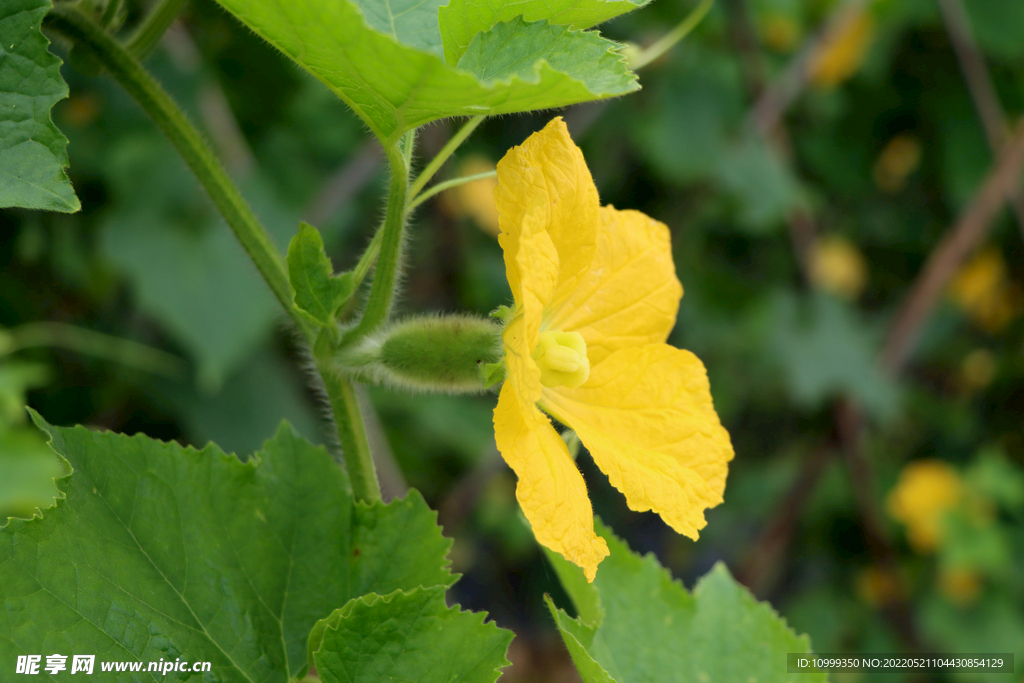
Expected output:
(837, 266)
(596, 296)
(983, 290)
(898, 159)
(960, 585)
(877, 587)
(925, 492)
(842, 51)
(474, 200)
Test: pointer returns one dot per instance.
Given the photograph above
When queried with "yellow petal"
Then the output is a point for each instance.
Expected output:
(630, 294)
(546, 180)
(551, 490)
(647, 418)
(535, 254)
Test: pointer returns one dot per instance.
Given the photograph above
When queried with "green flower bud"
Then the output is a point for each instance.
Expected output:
(444, 354)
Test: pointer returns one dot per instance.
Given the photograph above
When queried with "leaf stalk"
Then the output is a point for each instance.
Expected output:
(447, 185)
(669, 40)
(442, 156)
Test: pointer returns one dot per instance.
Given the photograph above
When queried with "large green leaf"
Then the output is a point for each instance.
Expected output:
(460, 20)
(407, 636)
(654, 631)
(386, 60)
(33, 153)
(159, 551)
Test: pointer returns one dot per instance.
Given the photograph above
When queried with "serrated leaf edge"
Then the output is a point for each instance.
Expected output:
(63, 158)
(407, 499)
(440, 64)
(371, 599)
(614, 47)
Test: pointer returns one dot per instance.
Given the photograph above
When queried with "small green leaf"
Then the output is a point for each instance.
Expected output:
(33, 153)
(502, 313)
(653, 630)
(318, 292)
(410, 636)
(492, 373)
(158, 551)
(510, 51)
(385, 60)
(460, 20)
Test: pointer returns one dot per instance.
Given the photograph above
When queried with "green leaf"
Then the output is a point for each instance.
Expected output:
(508, 51)
(654, 631)
(460, 20)
(33, 153)
(410, 636)
(318, 292)
(386, 62)
(158, 551)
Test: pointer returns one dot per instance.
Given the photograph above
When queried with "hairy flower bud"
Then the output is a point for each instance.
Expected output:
(443, 354)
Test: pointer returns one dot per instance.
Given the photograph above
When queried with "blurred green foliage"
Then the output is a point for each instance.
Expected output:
(883, 151)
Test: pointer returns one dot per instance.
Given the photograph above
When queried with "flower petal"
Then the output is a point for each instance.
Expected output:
(546, 180)
(551, 490)
(537, 256)
(647, 418)
(630, 294)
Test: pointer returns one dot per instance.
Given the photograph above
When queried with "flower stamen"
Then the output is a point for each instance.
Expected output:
(562, 359)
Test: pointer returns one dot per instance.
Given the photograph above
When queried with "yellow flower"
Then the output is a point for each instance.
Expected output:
(984, 291)
(596, 296)
(837, 266)
(878, 587)
(842, 52)
(925, 492)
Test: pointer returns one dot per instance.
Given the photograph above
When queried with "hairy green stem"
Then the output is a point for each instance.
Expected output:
(668, 41)
(190, 145)
(87, 342)
(151, 30)
(250, 232)
(447, 185)
(355, 447)
(208, 170)
(392, 234)
(423, 178)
